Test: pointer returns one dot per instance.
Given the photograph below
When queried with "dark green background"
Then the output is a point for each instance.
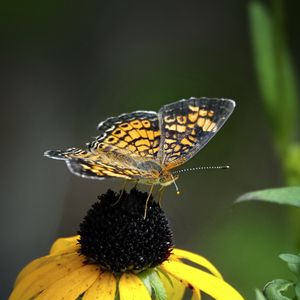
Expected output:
(66, 65)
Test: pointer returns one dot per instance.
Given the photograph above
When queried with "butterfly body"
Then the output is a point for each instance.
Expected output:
(145, 146)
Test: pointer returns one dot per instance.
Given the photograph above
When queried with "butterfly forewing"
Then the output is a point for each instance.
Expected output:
(135, 133)
(188, 125)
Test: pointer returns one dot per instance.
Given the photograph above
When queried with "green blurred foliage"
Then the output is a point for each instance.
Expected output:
(277, 81)
(278, 86)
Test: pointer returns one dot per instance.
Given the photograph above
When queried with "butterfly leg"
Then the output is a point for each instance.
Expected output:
(123, 188)
(121, 192)
(161, 192)
(146, 205)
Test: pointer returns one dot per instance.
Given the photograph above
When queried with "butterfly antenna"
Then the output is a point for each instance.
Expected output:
(176, 186)
(201, 168)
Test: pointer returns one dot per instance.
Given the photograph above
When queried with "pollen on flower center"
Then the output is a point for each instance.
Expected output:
(115, 235)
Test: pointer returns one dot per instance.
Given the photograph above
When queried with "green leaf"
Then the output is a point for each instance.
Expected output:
(158, 287)
(297, 290)
(285, 195)
(145, 277)
(259, 295)
(293, 262)
(290, 258)
(153, 282)
(274, 289)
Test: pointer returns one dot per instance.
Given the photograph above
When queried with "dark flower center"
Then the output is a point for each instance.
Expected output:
(115, 235)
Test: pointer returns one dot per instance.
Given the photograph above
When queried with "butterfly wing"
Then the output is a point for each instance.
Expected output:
(188, 125)
(123, 146)
(103, 165)
(136, 133)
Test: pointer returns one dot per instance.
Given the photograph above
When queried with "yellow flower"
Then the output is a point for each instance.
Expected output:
(120, 255)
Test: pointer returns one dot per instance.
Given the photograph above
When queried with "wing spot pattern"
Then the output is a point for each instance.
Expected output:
(194, 108)
(181, 119)
(169, 119)
(203, 112)
(128, 138)
(142, 148)
(207, 125)
(212, 127)
(131, 148)
(200, 122)
(119, 133)
(170, 141)
(142, 142)
(171, 127)
(126, 126)
(134, 134)
(143, 133)
(111, 140)
(150, 135)
(181, 128)
(136, 124)
(146, 123)
(122, 144)
(185, 141)
(193, 117)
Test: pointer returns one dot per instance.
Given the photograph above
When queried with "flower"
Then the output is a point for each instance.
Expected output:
(119, 254)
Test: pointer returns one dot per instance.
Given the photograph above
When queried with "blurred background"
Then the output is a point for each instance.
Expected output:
(67, 65)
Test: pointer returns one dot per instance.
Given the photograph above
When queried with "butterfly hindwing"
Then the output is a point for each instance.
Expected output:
(136, 133)
(102, 165)
(188, 125)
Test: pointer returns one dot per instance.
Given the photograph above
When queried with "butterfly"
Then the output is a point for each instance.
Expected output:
(145, 146)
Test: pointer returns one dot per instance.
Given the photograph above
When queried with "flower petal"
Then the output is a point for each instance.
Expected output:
(200, 260)
(39, 262)
(196, 294)
(209, 284)
(71, 286)
(132, 288)
(103, 288)
(32, 283)
(174, 289)
(32, 266)
(65, 245)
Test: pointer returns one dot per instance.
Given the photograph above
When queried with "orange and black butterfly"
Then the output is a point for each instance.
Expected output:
(145, 146)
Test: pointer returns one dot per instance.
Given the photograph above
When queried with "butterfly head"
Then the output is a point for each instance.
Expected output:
(167, 178)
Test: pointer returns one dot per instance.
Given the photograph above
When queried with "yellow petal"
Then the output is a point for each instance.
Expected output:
(209, 284)
(104, 288)
(39, 262)
(132, 288)
(33, 265)
(65, 245)
(71, 286)
(30, 284)
(174, 291)
(196, 294)
(197, 259)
